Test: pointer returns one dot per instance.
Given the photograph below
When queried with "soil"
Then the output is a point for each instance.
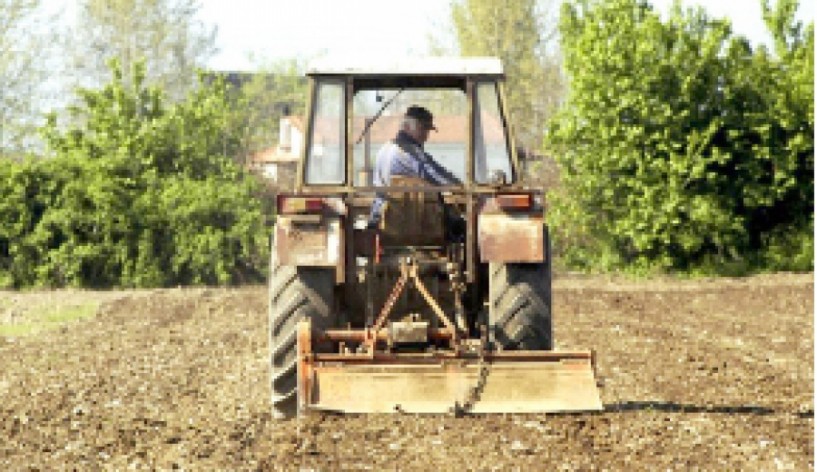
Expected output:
(704, 374)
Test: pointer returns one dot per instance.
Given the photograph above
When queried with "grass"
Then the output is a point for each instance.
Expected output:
(35, 322)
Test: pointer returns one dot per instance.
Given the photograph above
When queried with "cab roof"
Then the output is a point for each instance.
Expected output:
(401, 66)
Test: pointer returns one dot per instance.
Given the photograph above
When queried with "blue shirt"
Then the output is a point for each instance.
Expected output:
(405, 156)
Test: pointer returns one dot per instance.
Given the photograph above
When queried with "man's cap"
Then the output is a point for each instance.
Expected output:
(421, 115)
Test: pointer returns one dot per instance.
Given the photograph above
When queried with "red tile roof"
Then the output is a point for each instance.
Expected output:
(273, 156)
(450, 129)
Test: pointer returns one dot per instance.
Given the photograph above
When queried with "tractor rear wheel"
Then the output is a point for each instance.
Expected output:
(519, 304)
(296, 293)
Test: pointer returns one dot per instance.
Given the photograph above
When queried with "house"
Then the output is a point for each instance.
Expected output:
(278, 164)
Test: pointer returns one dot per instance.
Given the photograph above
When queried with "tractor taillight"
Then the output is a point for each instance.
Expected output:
(515, 202)
(289, 205)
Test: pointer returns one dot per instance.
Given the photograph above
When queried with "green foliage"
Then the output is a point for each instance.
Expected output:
(681, 147)
(138, 193)
(263, 99)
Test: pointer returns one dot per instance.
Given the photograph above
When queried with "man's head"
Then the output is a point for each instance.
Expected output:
(417, 122)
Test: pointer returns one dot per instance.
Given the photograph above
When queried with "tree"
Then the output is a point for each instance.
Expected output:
(790, 136)
(163, 33)
(669, 155)
(24, 59)
(139, 191)
(522, 33)
(262, 98)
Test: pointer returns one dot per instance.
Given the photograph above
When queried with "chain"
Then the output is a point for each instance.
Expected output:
(476, 391)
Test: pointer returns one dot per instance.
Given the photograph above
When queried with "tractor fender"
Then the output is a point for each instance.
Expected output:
(511, 237)
(309, 240)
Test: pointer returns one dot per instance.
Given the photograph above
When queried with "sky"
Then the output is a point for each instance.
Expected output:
(308, 28)
(252, 33)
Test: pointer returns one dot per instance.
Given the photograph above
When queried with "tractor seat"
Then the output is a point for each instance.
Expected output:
(412, 218)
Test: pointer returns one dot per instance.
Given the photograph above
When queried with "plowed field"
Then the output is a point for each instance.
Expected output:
(712, 374)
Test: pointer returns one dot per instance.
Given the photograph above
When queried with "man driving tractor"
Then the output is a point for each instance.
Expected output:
(404, 156)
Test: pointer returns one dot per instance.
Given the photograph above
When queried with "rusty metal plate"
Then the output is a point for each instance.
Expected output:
(307, 243)
(408, 331)
(511, 238)
(509, 387)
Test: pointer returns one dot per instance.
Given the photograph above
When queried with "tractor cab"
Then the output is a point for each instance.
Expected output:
(357, 108)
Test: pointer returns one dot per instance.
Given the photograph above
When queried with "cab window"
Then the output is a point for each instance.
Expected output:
(490, 140)
(448, 145)
(326, 156)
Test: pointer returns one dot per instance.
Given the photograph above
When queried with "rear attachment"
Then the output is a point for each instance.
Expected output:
(462, 377)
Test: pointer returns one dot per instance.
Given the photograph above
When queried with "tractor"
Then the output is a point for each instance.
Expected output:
(402, 315)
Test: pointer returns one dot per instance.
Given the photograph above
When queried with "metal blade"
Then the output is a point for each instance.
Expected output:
(511, 386)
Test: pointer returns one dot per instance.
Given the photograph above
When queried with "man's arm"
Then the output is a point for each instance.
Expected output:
(382, 165)
(445, 175)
